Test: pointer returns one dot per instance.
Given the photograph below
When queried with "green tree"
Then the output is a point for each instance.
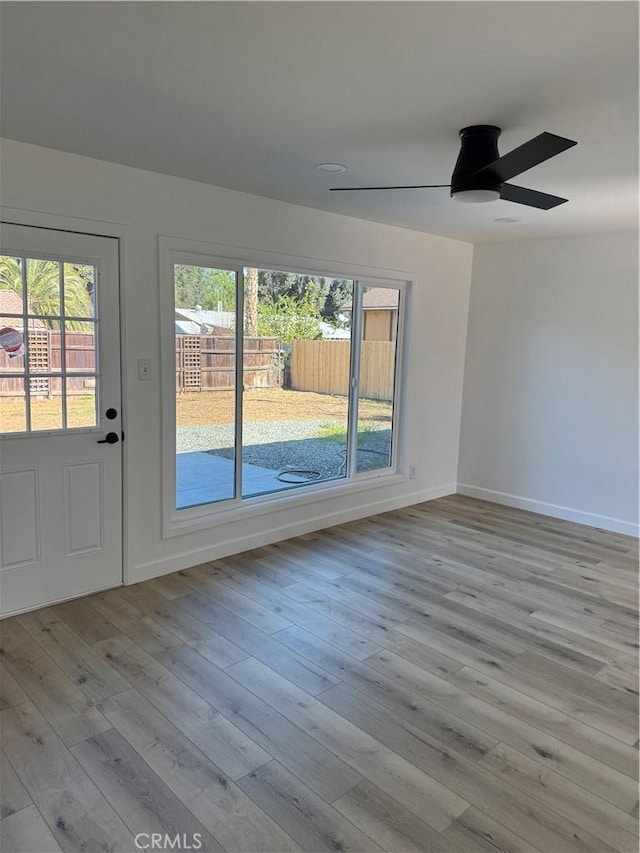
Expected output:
(289, 320)
(326, 294)
(205, 287)
(221, 291)
(43, 288)
(339, 292)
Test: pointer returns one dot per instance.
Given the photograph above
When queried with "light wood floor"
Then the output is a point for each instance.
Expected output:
(457, 676)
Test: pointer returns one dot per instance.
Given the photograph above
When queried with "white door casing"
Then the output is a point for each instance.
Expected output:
(60, 489)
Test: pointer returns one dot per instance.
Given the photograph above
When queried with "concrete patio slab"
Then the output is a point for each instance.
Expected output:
(203, 478)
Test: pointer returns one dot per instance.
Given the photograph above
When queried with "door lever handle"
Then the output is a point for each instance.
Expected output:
(110, 438)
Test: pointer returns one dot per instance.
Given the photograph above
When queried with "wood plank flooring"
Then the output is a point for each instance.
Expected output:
(455, 677)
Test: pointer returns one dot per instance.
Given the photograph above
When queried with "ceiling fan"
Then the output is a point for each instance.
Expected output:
(480, 174)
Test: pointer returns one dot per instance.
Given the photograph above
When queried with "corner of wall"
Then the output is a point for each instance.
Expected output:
(464, 356)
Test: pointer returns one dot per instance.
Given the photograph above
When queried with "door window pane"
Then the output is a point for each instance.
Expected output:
(12, 340)
(297, 345)
(13, 408)
(80, 346)
(81, 401)
(376, 379)
(11, 286)
(205, 363)
(46, 403)
(44, 346)
(79, 290)
(13, 348)
(43, 287)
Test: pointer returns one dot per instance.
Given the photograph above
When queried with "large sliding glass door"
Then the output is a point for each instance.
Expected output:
(284, 380)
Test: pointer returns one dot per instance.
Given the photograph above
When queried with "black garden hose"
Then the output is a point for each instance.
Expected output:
(308, 475)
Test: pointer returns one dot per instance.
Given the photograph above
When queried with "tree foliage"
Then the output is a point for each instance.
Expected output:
(327, 295)
(277, 304)
(289, 320)
(43, 288)
(204, 286)
(339, 291)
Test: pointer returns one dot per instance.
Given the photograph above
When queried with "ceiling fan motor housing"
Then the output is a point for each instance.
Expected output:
(478, 148)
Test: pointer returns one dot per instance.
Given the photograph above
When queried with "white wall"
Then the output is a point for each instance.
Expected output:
(65, 185)
(550, 405)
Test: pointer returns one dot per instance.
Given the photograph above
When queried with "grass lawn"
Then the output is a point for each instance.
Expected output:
(46, 414)
(275, 404)
(213, 407)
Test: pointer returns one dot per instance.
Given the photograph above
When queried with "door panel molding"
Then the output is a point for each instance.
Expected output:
(79, 505)
(20, 503)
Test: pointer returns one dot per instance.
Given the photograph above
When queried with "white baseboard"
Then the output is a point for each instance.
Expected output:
(166, 565)
(604, 522)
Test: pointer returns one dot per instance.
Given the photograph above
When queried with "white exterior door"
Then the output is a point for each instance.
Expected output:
(60, 418)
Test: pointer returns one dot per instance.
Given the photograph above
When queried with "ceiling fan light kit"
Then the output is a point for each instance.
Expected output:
(478, 146)
(481, 174)
(475, 196)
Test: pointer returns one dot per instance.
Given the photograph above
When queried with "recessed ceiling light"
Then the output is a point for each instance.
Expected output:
(508, 219)
(331, 167)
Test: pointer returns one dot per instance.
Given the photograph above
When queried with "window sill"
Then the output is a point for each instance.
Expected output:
(202, 518)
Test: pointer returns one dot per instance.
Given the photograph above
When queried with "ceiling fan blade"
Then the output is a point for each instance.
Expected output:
(532, 198)
(358, 189)
(526, 156)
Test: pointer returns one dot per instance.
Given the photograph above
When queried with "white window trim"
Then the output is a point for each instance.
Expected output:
(179, 250)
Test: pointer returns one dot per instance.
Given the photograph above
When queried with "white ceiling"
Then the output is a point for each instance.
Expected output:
(252, 95)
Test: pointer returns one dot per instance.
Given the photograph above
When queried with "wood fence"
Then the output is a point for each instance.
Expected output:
(324, 366)
(203, 363)
(207, 363)
(45, 356)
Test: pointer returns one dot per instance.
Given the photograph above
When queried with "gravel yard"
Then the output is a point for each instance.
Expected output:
(217, 437)
(282, 445)
(324, 456)
(284, 429)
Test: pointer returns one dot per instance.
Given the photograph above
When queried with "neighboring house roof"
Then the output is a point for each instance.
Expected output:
(377, 299)
(11, 303)
(225, 319)
(187, 327)
(329, 333)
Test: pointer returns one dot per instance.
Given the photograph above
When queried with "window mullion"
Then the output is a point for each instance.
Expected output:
(63, 348)
(25, 341)
(352, 423)
(239, 381)
(398, 396)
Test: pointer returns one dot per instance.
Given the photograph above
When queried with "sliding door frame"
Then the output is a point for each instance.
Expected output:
(180, 251)
(239, 387)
